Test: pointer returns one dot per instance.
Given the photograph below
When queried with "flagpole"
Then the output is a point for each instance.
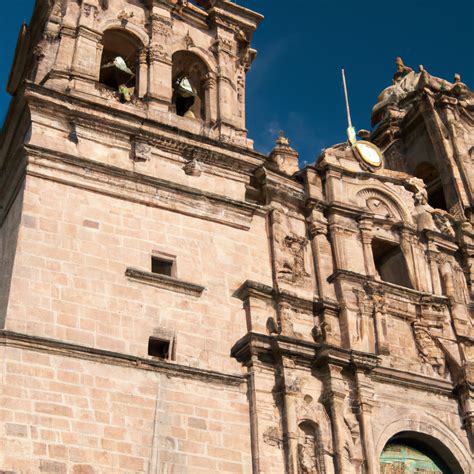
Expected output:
(346, 96)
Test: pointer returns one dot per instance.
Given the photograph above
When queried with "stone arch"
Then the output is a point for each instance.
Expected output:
(129, 27)
(123, 63)
(191, 77)
(386, 201)
(433, 433)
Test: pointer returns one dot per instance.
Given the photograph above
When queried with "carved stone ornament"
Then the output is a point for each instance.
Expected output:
(193, 168)
(378, 207)
(89, 10)
(188, 41)
(161, 26)
(289, 250)
(141, 150)
(273, 437)
(307, 459)
(427, 347)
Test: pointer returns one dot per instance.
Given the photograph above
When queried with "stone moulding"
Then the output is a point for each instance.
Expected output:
(165, 282)
(76, 351)
(128, 185)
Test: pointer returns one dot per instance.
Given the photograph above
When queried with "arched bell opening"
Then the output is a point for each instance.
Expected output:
(120, 63)
(189, 95)
(411, 452)
(432, 179)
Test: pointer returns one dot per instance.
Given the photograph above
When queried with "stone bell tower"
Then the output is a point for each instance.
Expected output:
(72, 45)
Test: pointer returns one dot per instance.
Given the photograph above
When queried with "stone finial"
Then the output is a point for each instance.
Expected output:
(283, 157)
(282, 140)
(457, 77)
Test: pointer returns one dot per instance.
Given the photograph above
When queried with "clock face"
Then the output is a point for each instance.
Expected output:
(369, 153)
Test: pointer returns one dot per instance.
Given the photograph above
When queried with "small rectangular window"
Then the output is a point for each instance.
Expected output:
(159, 348)
(162, 266)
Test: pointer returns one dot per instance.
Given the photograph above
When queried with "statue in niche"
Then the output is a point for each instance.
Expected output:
(309, 449)
(428, 349)
(289, 250)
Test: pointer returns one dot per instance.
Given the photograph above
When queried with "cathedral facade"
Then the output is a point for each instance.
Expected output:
(173, 301)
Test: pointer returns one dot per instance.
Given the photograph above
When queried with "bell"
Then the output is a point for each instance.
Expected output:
(185, 89)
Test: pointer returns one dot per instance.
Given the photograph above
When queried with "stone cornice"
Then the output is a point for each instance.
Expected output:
(379, 176)
(124, 184)
(165, 282)
(65, 349)
(386, 375)
(307, 354)
(132, 121)
(408, 293)
(253, 289)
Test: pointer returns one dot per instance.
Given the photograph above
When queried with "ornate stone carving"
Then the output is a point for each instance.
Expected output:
(141, 150)
(352, 441)
(307, 459)
(161, 26)
(89, 10)
(157, 52)
(193, 168)
(442, 222)
(289, 250)
(209, 81)
(427, 347)
(272, 437)
(378, 207)
(188, 41)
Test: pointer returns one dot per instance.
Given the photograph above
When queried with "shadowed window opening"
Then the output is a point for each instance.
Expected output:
(159, 348)
(390, 263)
(162, 266)
(119, 63)
(188, 98)
(430, 176)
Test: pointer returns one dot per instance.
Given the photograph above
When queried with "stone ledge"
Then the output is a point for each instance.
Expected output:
(128, 185)
(165, 282)
(59, 348)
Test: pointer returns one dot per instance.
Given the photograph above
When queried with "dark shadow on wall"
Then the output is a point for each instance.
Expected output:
(9, 231)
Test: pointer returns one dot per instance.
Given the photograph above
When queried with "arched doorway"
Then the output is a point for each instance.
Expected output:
(407, 455)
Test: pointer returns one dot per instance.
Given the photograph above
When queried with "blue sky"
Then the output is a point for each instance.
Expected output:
(295, 82)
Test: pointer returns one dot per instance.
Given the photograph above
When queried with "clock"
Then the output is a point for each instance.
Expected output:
(369, 154)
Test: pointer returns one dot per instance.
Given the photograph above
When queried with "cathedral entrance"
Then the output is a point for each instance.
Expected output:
(406, 457)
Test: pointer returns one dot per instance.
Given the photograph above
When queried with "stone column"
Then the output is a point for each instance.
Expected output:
(335, 399)
(291, 389)
(210, 97)
(365, 225)
(318, 230)
(365, 395)
(160, 88)
(406, 244)
(142, 80)
(432, 255)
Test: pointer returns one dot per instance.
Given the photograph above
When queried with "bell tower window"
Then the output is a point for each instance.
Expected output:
(119, 66)
(189, 98)
(432, 179)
